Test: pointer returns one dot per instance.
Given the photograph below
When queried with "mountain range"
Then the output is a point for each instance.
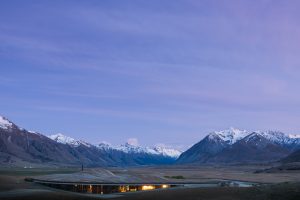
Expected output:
(236, 146)
(19, 147)
(159, 149)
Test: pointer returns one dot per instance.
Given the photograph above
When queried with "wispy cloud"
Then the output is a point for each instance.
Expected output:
(142, 115)
(184, 66)
(133, 141)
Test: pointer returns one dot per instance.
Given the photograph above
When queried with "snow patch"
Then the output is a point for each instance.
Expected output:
(129, 148)
(4, 123)
(60, 138)
(297, 136)
(105, 145)
(277, 137)
(167, 150)
(230, 136)
(159, 149)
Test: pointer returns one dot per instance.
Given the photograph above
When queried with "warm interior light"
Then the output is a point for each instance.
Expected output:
(148, 187)
(90, 189)
(165, 186)
(122, 189)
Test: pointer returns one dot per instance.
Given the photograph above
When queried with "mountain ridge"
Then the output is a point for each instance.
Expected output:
(19, 147)
(126, 148)
(230, 146)
(226, 146)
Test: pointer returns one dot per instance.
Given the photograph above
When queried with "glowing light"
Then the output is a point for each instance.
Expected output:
(90, 189)
(148, 187)
(124, 188)
(165, 186)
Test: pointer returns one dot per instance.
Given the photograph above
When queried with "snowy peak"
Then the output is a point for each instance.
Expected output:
(294, 136)
(60, 138)
(10, 126)
(230, 136)
(126, 148)
(275, 137)
(132, 148)
(105, 146)
(167, 151)
(233, 135)
(255, 138)
(159, 149)
(238, 146)
(5, 123)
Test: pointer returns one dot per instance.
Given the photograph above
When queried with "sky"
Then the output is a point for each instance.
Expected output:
(153, 71)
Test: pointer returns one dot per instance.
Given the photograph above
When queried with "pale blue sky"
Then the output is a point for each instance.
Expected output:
(160, 71)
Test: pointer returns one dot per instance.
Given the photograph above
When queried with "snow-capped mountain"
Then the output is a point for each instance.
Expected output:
(122, 155)
(5, 123)
(254, 148)
(234, 145)
(294, 136)
(60, 138)
(202, 151)
(211, 145)
(280, 138)
(276, 137)
(105, 146)
(10, 126)
(231, 135)
(128, 148)
(167, 151)
(227, 146)
(20, 147)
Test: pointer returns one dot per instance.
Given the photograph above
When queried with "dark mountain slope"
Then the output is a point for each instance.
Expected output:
(293, 157)
(203, 150)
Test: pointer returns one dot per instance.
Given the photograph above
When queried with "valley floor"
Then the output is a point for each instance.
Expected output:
(282, 185)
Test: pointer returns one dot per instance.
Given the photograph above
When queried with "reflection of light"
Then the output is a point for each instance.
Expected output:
(164, 186)
(148, 187)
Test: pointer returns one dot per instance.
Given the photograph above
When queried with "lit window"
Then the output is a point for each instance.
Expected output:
(148, 187)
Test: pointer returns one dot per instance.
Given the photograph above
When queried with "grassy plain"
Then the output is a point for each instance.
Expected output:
(281, 186)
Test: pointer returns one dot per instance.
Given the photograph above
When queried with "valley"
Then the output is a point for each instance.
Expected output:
(13, 186)
(228, 164)
(149, 100)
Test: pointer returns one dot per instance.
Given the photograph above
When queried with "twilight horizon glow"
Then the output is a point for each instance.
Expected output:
(157, 71)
